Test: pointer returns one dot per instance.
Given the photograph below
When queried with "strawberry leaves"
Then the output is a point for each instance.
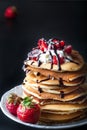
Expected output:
(24, 109)
(27, 102)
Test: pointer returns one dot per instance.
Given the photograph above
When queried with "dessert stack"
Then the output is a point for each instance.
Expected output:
(56, 80)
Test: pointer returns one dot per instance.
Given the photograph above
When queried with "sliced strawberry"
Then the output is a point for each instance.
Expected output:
(57, 46)
(28, 111)
(34, 58)
(68, 49)
(61, 60)
(62, 43)
(55, 60)
(42, 44)
(56, 43)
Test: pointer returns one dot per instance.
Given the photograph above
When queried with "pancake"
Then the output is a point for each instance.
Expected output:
(66, 76)
(50, 89)
(82, 91)
(69, 66)
(78, 100)
(64, 107)
(47, 117)
(52, 81)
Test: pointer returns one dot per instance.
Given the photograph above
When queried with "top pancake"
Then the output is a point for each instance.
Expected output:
(76, 65)
(67, 76)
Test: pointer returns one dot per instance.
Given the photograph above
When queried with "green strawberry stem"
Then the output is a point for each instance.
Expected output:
(27, 102)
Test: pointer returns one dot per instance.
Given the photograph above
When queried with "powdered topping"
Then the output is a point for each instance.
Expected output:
(53, 51)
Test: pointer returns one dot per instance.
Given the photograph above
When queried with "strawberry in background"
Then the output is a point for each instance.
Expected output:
(10, 12)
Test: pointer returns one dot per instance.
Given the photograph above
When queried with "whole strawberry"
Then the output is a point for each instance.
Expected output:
(28, 111)
(10, 12)
(12, 103)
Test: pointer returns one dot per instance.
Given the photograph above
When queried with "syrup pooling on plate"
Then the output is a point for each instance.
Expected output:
(53, 51)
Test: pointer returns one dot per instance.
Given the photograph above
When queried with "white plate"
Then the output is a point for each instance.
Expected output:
(18, 91)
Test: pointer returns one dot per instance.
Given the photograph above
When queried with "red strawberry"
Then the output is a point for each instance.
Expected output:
(34, 58)
(10, 12)
(55, 60)
(56, 43)
(28, 111)
(68, 49)
(61, 60)
(62, 43)
(42, 44)
(12, 103)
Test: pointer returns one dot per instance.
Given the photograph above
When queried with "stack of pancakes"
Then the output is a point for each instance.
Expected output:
(61, 93)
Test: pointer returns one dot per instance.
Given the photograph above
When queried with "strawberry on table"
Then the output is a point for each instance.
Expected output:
(28, 111)
(12, 103)
(10, 12)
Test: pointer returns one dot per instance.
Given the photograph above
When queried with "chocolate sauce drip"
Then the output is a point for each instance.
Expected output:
(37, 81)
(44, 79)
(51, 60)
(39, 63)
(25, 80)
(25, 66)
(60, 82)
(29, 58)
(59, 67)
(71, 60)
(62, 94)
(37, 74)
(32, 62)
(39, 89)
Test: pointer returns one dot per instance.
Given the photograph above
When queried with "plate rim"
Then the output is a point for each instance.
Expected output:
(12, 117)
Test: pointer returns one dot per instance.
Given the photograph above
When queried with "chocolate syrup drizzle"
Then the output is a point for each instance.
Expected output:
(60, 82)
(37, 74)
(62, 94)
(57, 56)
(39, 62)
(44, 79)
(71, 60)
(51, 60)
(59, 66)
(39, 89)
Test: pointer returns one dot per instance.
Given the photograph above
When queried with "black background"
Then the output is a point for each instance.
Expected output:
(36, 19)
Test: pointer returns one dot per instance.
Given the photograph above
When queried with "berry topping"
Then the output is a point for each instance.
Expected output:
(33, 58)
(42, 44)
(53, 51)
(61, 60)
(68, 49)
(62, 43)
(55, 60)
